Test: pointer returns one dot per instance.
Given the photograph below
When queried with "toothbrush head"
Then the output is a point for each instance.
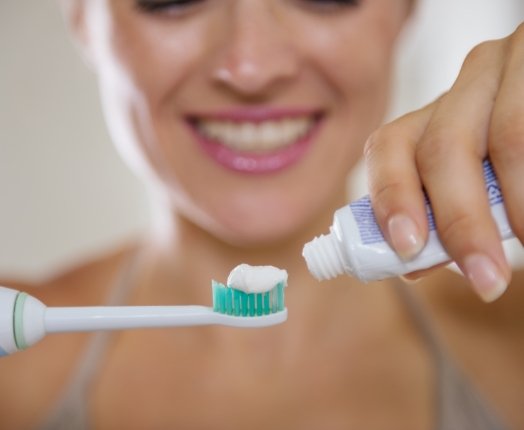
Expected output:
(230, 301)
(240, 309)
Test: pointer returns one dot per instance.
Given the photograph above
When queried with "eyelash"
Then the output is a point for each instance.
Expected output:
(153, 6)
(332, 4)
(158, 6)
(337, 2)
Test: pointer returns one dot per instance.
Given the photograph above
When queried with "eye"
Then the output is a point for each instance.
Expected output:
(160, 6)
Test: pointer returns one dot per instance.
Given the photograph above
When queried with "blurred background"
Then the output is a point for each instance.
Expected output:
(64, 192)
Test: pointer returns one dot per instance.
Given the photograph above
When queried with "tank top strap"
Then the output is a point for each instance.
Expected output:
(71, 411)
(459, 405)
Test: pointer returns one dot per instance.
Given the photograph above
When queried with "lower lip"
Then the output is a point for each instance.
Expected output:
(252, 163)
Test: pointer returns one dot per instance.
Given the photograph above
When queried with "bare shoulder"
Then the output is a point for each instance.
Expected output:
(83, 283)
(32, 379)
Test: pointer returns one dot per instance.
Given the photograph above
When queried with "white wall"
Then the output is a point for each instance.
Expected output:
(441, 34)
(65, 193)
(63, 189)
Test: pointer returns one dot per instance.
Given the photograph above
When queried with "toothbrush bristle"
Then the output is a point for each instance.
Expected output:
(234, 302)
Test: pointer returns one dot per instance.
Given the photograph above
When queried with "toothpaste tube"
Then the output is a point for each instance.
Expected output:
(356, 246)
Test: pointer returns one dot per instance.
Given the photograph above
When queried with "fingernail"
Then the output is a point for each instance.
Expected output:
(405, 236)
(485, 277)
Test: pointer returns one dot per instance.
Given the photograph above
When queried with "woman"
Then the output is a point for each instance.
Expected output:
(245, 117)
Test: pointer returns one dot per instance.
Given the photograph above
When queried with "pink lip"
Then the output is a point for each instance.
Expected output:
(250, 162)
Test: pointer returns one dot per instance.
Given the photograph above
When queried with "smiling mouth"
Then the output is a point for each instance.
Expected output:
(260, 136)
(256, 140)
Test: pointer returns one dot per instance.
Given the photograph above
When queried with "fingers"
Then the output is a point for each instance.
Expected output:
(449, 157)
(394, 183)
(506, 136)
(441, 149)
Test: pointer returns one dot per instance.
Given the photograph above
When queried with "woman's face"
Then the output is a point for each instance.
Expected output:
(249, 113)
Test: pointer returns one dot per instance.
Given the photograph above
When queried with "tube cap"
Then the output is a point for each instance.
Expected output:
(324, 257)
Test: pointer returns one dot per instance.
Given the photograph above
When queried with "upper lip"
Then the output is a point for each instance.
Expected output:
(254, 114)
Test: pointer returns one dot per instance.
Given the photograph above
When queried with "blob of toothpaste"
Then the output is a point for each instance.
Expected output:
(256, 279)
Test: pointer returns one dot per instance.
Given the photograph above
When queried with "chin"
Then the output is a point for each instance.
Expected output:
(256, 238)
(261, 228)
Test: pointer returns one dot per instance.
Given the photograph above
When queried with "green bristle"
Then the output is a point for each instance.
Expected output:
(243, 304)
(234, 302)
(258, 304)
(251, 304)
(228, 301)
(280, 296)
(267, 308)
(217, 296)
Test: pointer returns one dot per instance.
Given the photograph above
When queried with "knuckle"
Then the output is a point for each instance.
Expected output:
(375, 142)
(402, 132)
(514, 42)
(456, 229)
(480, 52)
(518, 34)
(506, 140)
(384, 198)
(435, 146)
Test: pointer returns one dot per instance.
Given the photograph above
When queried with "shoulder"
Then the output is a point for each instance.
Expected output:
(33, 379)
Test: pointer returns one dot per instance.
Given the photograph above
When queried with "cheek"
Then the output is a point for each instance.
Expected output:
(141, 67)
(361, 75)
(355, 65)
(355, 57)
(155, 60)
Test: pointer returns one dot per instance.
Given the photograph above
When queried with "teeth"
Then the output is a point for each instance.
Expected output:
(249, 136)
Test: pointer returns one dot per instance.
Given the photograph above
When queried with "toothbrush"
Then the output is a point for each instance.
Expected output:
(24, 320)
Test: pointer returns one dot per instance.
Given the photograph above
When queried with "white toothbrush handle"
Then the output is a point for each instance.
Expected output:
(71, 319)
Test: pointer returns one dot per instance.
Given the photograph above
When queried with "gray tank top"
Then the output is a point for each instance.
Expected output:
(458, 405)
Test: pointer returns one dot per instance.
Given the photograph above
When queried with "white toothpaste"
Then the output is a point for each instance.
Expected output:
(356, 246)
(256, 279)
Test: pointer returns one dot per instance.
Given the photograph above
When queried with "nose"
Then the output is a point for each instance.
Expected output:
(256, 54)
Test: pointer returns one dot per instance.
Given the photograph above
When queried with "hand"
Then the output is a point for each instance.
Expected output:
(441, 147)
